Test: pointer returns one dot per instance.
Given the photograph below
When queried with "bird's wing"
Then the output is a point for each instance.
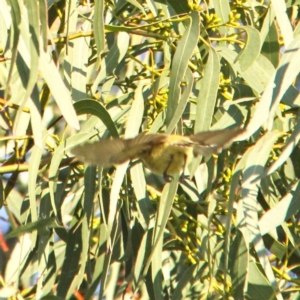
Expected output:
(108, 152)
(209, 142)
(100, 153)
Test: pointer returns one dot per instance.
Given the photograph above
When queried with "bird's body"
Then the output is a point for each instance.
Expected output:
(170, 156)
(161, 153)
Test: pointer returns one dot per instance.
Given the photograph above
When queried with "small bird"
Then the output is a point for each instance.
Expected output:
(162, 154)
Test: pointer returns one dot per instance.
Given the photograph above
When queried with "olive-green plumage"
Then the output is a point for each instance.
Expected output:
(161, 153)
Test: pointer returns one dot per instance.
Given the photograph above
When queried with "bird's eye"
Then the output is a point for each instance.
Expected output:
(144, 151)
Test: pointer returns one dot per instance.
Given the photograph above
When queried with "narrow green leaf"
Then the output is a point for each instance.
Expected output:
(143, 246)
(137, 5)
(28, 70)
(47, 257)
(15, 14)
(184, 51)
(283, 22)
(163, 213)
(158, 122)
(287, 207)
(185, 284)
(254, 169)
(34, 29)
(182, 102)
(222, 9)
(135, 117)
(234, 185)
(34, 163)
(28, 67)
(44, 22)
(89, 191)
(251, 49)
(101, 265)
(58, 89)
(53, 175)
(71, 265)
(114, 198)
(267, 23)
(208, 90)
(156, 270)
(17, 261)
(258, 285)
(277, 86)
(104, 277)
(117, 52)
(257, 75)
(37, 225)
(112, 60)
(271, 46)
(43, 252)
(78, 73)
(85, 242)
(98, 26)
(36, 119)
(239, 259)
(290, 144)
(113, 283)
(140, 191)
(179, 6)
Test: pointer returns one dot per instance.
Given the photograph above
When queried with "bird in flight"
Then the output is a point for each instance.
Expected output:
(163, 154)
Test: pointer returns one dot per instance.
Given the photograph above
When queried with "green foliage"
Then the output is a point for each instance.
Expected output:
(71, 72)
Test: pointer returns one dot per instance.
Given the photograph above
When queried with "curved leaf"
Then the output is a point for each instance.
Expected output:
(95, 108)
(251, 49)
